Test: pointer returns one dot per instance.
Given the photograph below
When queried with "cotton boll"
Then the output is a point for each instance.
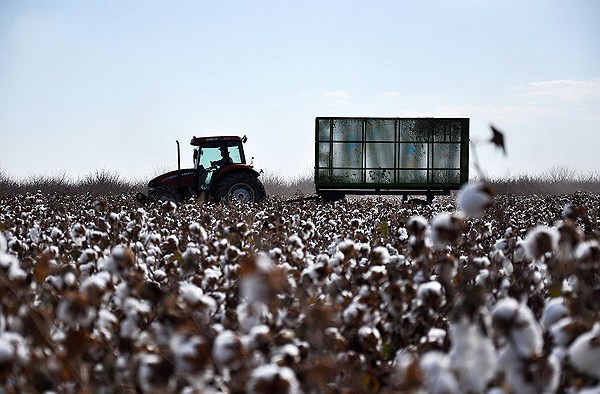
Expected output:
(584, 352)
(348, 248)
(540, 241)
(7, 354)
(588, 254)
(13, 267)
(446, 229)
(380, 255)
(430, 293)
(472, 355)
(227, 349)
(272, 379)
(438, 375)
(190, 293)
(192, 353)
(417, 226)
(554, 310)
(590, 390)
(353, 314)
(402, 234)
(153, 373)
(501, 244)
(406, 367)
(288, 355)
(474, 198)
(120, 261)
(517, 322)
(527, 376)
(197, 231)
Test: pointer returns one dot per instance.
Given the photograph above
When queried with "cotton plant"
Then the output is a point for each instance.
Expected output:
(104, 295)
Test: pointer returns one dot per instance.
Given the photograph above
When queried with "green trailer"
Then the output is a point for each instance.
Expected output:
(401, 156)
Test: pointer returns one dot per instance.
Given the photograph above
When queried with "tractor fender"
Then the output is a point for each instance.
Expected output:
(234, 168)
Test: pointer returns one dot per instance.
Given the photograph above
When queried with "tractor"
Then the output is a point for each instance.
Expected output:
(220, 173)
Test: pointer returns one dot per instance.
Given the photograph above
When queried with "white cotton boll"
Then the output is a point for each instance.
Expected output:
(446, 229)
(347, 247)
(501, 244)
(159, 275)
(402, 361)
(519, 377)
(271, 378)
(438, 376)
(275, 253)
(69, 279)
(7, 352)
(560, 332)
(584, 352)
(474, 198)
(287, 355)
(55, 233)
(430, 291)
(100, 281)
(519, 253)
(33, 234)
(353, 313)
(190, 293)
(134, 307)
(540, 241)
(198, 231)
(227, 348)
(250, 315)
(295, 242)
(402, 234)
(518, 322)
(417, 225)
(588, 252)
(12, 265)
(87, 256)
(146, 372)
(507, 266)
(590, 390)
(472, 356)
(554, 310)
(106, 319)
(435, 335)
(189, 352)
(3, 244)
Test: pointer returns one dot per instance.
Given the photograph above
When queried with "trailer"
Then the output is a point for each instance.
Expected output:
(390, 156)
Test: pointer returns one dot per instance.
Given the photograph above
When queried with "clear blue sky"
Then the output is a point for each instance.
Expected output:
(112, 84)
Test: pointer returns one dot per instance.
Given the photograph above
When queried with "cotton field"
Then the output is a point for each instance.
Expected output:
(368, 295)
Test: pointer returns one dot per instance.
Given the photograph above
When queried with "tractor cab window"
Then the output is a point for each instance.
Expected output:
(213, 156)
(234, 153)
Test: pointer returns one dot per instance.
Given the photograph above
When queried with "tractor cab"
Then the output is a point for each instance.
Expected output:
(212, 155)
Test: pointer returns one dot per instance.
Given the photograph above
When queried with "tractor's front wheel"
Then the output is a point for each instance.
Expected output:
(163, 194)
(241, 186)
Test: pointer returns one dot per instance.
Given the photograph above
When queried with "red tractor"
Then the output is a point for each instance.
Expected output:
(220, 173)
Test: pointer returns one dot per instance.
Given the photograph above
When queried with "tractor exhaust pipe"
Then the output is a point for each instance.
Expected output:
(178, 165)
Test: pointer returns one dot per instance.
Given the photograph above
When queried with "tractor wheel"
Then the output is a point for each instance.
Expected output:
(163, 194)
(242, 186)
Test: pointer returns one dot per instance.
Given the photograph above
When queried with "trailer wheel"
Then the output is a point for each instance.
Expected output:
(332, 196)
(163, 194)
(240, 186)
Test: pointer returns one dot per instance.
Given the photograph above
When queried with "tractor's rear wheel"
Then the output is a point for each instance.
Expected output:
(163, 194)
(241, 186)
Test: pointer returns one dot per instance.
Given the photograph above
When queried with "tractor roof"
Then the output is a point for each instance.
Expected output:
(202, 140)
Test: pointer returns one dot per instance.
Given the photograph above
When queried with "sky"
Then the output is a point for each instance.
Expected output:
(88, 85)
